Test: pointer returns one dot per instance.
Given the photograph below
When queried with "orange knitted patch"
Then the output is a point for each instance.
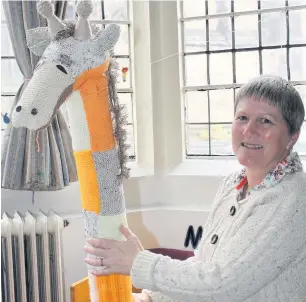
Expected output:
(114, 288)
(87, 176)
(93, 87)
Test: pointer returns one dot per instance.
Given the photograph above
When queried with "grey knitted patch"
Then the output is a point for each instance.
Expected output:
(108, 166)
(112, 201)
(90, 224)
(110, 184)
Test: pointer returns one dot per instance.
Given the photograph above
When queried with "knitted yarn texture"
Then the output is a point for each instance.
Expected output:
(77, 67)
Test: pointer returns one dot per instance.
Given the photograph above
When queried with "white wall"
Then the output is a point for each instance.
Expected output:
(165, 193)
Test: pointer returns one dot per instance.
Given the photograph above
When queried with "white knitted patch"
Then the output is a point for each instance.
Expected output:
(40, 98)
(108, 227)
(78, 123)
(94, 297)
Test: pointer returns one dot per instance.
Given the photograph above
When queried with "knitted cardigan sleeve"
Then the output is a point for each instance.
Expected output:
(271, 238)
(158, 296)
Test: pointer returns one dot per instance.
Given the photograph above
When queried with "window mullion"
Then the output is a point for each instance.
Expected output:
(288, 42)
(260, 38)
(208, 76)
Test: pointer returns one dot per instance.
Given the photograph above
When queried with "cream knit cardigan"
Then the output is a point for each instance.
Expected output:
(260, 254)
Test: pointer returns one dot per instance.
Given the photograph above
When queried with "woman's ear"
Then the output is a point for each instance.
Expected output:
(293, 140)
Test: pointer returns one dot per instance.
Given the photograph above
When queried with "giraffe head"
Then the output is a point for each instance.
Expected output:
(66, 50)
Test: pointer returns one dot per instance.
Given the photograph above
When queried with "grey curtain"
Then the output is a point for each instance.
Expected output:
(30, 162)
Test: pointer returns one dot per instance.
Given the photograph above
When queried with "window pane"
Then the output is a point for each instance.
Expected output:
(97, 11)
(197, 139)
(297, 25)
(274, 62)
(6, 45)
(272, 3)
(71, 10)
(11, 76)
(196, 70)
(221, 139)
(122, 46)
(249, 59)
(242, 5)
(297, 63)
(221, 105)
(130, 140)
(196, 107)
(223, 75)
(6, 107)
(300, 146)
(218, 6)
(116, 9)
(302, 91)
(273, 29)
(195, 36)
(123, 63)
(220, 34)
(192, 8)
(2, 13)
(126, 99)
(246, 31)
(296, 2)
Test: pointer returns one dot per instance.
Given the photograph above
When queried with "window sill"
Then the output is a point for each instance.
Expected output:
(136, 170)
(206, 167)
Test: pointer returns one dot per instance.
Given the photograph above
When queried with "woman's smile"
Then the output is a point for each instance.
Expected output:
(251, 146)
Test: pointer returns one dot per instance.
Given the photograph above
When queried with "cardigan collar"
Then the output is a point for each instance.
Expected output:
(288, 166)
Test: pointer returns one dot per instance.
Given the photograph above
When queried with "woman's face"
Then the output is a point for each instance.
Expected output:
(260, 136)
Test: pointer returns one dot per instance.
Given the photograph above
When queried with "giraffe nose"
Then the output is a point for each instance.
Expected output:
(18, 109)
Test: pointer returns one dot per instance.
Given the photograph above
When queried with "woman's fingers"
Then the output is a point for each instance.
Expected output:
(115, 270)
(107, 262)
(128, 234)
(97, 251)
(102, 243)
(141, 297)
(95, 261)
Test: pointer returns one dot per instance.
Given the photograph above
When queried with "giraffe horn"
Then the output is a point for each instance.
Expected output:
(46, 9)
(83, 29)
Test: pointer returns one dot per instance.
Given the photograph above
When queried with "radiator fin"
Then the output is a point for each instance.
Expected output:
(32, 258)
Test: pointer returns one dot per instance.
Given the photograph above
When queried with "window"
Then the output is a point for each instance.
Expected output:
(11, 78)
(110, 11)
(226, 43)
(118, 12)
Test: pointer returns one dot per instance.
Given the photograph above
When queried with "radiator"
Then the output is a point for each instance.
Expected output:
(31, 258)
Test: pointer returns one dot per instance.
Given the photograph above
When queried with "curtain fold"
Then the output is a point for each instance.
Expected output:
(34, 160)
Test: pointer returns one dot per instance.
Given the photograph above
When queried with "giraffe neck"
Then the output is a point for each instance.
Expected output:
(94, 144)
(98, 167)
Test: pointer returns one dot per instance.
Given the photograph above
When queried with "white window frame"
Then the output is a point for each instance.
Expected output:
(168, 149)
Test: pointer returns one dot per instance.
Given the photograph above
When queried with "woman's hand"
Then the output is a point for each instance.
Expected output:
(142, 297)
(116, 257)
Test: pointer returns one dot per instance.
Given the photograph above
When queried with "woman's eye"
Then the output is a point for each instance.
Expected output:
(241, 118)
(266, 121)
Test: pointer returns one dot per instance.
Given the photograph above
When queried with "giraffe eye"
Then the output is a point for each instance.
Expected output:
(61, 68)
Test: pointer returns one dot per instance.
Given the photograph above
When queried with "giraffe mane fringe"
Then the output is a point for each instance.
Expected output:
(119, 116)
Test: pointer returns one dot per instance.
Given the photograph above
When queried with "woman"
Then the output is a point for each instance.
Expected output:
(254, 246)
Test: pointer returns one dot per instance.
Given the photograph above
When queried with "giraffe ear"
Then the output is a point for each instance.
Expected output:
(108, 38)
(38, 40)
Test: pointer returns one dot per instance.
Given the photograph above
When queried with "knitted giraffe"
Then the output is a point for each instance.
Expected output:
(76, 66)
